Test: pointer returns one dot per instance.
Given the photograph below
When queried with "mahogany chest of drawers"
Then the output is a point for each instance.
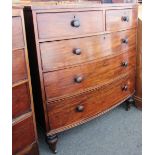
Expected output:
(82, 61)
(24, 136)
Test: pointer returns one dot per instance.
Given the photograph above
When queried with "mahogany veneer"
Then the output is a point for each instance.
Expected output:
(62, 22)
(21, 101)
(24, 135)
(121, 19)
(92, 102)
(63, 82)
(19, 71)
(83, 61)
(60, 54)
(17, 32)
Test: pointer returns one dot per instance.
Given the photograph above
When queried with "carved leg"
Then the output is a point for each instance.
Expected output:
(52, 142)
(128, 103)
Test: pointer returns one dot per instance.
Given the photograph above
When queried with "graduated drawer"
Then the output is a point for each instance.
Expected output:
(79, 108)
(59, 54)
(121, 19)
(22, 134)
(20, 100)
(51, 25)
(19, 71)
(85, 76)
(17, 33)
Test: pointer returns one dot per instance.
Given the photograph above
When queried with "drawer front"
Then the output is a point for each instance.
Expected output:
(19, 71)
(121, 19)
(59, 54)
(20, 100)
(86, 76)
(17, 33)
(79, 108)
(30, 150)
(51, 25)
(22, 134)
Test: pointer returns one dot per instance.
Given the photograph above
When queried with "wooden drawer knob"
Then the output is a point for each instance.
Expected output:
(125, 18)
(80, 108)
(125, 64)
(77, 51)
(78, 79)
(125, 88)
(75, 23)
(125, 40)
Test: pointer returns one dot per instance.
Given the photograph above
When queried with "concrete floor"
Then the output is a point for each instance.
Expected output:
(117, 132)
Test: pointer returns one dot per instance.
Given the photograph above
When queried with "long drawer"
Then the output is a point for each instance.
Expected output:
(59, 54)
(17, 33)
(86, 76)
(19, 71)
(79, 108)
(121, 19)
(20, 100)
(52, 25)
(23, 134)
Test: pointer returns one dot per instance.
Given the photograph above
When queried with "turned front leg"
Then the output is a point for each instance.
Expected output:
(52, 142)
(129, 102)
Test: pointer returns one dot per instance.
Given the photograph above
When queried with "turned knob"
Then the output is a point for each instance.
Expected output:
(80, 108)
(125, 18)
(125, 88)
(125, 41)
(78, 79)
(77, 51)
(75, 23)
(125, 64)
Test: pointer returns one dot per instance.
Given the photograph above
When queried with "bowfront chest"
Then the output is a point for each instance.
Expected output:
(82, 60)
(24, 135)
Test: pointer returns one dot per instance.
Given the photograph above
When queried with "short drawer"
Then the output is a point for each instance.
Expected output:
(121, 19)
(23, 134)
(17, 33)
(73, 110)
(20, 100)
(59, 54)
(19, 71)
(85, 76)
(51, 25)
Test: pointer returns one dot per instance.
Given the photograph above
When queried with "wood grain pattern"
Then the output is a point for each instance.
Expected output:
(17, 33)
(114, 19)
(62, 82)
(23, 134)
(49, 23)
(59, 54)
(93, 103)
(19, 71)
(20, 100)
